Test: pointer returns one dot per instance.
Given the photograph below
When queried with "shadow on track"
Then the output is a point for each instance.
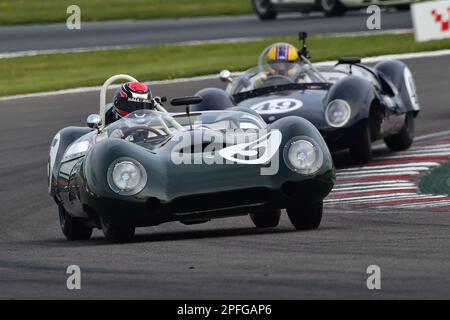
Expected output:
(169, 236)
(342, 158)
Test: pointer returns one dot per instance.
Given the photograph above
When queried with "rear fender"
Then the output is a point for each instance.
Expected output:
(213, 99)
(399, 75)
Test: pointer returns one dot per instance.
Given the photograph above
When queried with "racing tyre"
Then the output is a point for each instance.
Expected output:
(264, 9)
(306, 217)
(72, 228)
(116, 234)
(404, 7)
(332, 7)
(361, 148)
(404, 139)
(266, 219)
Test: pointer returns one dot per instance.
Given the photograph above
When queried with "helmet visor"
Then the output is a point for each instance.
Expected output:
(129, 104)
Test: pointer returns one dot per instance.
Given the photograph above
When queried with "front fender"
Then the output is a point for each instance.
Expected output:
(358, 92)
(59, 144)
(102, 155)
(294, 126)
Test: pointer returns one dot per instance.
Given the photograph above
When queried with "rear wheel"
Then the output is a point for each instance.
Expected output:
(361, 148)
(306, 217)
(72, 228)
(332, 7)
(266, 219)
(404, 7)
(404, 139)
(116, 234)
(264, 9)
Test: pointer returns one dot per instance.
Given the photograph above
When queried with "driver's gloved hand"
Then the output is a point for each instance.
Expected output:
(260, 82)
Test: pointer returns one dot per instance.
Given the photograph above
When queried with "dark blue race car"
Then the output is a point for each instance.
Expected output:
(351, 104)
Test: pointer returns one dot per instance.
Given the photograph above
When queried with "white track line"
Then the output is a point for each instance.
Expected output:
(32, 53)
(337, 192)
(371, 183)
(97, 88)
(364, 172)
(402, 56)
(421, 205)
(432, 135)
(437, 147)
(424, 152)
(375, 187)
(382, 198)
(412, 173)
(29, 53)
(434, 147)
(352, 191)
(389, 166)
(416, 155)
(374, 198)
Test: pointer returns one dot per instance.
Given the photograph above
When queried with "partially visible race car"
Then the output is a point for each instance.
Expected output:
(152, 166)
(351, 104)
(269, 9)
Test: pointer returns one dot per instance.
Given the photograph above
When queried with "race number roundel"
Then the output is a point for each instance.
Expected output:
(277, 106)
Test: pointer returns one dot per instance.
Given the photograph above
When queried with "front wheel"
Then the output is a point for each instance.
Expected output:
(307, 216)
(266, 219)
(332, 7)
(404, 139)
(264, 9)
(116, 234)
(72, 228)
(361, 147)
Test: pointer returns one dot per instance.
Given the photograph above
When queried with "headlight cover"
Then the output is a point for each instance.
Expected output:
(126, 177)
(303, 155)
(338, 113)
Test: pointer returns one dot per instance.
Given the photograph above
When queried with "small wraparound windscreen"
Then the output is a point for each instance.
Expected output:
(155, 123)
(279, 73)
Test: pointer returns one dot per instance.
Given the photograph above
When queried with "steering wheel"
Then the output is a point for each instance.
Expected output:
(277, 78)
(139, 129)
(273, 80)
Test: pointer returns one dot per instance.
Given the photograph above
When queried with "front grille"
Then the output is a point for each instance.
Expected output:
(220, 200)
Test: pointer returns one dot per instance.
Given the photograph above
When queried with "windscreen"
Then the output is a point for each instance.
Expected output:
(146, 124)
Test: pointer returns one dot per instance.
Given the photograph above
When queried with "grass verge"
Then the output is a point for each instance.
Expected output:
(27, 11)
(68, 70)
(437, 181)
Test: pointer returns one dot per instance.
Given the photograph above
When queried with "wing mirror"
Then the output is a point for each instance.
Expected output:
(184, 101)
(225, 76)
(94, 121)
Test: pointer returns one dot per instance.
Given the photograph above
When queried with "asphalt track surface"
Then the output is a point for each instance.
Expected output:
(226, 258)
(124, 33)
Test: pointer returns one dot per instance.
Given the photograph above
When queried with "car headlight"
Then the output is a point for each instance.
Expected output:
(126, 177)
(338, 113)
(303, 156)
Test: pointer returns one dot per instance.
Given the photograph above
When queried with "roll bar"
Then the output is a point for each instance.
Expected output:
(104, 90)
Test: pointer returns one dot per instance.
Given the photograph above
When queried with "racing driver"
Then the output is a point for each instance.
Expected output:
(130, 97)
(282, 61)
